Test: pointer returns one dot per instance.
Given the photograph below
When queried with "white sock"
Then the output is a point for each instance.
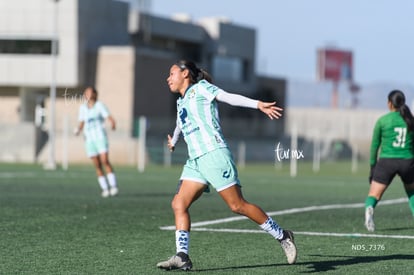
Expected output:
(111, 179)
(102, 182)
(182, 241)
(272, 228)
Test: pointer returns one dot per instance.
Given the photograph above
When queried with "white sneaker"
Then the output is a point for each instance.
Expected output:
(369, 219)
(105, 193)
(180, 261)
(288, 245)
(113, 191)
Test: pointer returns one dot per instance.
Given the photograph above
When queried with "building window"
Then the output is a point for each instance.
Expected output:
(229, 68)
(25, 46)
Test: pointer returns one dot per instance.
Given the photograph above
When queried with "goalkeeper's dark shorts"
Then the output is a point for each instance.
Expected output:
(387, 168)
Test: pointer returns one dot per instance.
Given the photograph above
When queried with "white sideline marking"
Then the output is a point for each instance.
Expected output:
(355, 235)
(289, 211)
(197, 225)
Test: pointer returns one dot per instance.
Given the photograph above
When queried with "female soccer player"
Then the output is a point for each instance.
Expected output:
(92, 115)
(210, 160)
(393, 137)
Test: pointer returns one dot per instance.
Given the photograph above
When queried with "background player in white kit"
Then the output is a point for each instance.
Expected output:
(92, 116)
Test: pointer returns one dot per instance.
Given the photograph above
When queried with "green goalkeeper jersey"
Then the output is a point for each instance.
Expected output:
(391, 138)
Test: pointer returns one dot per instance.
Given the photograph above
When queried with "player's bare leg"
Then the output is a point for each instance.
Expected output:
(375, 193)
(188, 192)
(234, 199)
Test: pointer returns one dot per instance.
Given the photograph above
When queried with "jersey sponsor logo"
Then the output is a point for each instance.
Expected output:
(186, 126)
(191, 131)
(226, 174)
(183, 115)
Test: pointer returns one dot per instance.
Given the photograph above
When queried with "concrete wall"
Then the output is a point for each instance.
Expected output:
(33, 19)
(10, 105)
(327, 125)
(82, 26)
(100, 23)
(20, 147)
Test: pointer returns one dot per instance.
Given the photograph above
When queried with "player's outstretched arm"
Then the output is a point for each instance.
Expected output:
(269, 108)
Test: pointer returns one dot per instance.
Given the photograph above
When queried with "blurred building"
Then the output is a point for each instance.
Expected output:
(126, 54)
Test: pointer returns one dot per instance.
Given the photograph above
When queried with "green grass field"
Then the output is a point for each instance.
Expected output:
(55, 222)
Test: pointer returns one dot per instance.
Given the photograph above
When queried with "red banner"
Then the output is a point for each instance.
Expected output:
(335, 65)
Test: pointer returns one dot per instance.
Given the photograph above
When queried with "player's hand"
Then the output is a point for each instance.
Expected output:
(170, 144)
(270, 109)
(76, 131)
(112, 122)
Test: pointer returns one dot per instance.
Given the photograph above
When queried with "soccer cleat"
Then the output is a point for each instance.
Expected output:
(288, 246)
(105, 193)
(113, 191)
(178, 261)
(369, 219)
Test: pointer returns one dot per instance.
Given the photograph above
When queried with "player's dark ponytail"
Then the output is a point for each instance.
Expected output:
(206, 76)
(196, 74)
(397, 99)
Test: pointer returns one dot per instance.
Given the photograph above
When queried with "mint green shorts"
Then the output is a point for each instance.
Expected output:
(96, 147)
(216, 168)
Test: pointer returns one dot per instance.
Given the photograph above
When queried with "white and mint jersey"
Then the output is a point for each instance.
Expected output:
(198, 119)
(93, 118)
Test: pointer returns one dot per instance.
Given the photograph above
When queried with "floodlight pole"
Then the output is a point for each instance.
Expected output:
(335, 95)
(51, 164)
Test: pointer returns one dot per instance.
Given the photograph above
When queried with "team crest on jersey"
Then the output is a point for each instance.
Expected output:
(191, 93)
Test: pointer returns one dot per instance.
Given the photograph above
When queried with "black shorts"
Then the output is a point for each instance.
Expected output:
(386, 169)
